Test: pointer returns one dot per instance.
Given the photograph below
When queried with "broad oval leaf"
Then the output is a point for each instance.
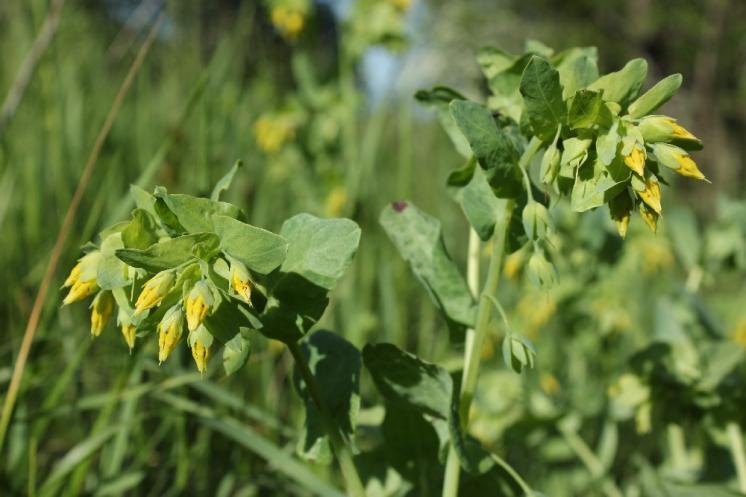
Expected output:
(418, 238)
(261, 250)
(542, 98)
(196, 214)
(320, 250)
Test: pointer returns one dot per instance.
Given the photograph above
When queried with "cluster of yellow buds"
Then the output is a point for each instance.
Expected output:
(272, 131)
(663, 140)
(190, 312)
(288, 17)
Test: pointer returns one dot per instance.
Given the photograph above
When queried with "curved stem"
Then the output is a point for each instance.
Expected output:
(352, 479)
(513, 474)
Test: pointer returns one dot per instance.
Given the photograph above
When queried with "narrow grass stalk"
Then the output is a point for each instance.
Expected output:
(735, 441)
(352, 479)
(41, 43)
(59, 245)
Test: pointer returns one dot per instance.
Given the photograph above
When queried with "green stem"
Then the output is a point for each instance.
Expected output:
(735, 440)
(513, 474)
(352, 479)
(592, 463)
(473, 347)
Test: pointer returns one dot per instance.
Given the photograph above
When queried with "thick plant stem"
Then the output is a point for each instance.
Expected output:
(453, 466)
(484, 312)
(735, 440)
(474, 347)
(352, 479)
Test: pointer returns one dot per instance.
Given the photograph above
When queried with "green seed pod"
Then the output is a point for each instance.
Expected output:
(536, 220)
(541, 272)
(518, 352)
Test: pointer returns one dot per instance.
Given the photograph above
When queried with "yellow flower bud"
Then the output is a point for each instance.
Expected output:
(198, 304)
(636, 160)
(154, 291)
(677, 159)
(169, 332)
(651, 195)
(101, 309)
(81, 290)
(662, 129)
(73, 276)
(621, 209)
(201, 354)
(129, 333)
(288, 21)
(649, 216)
(240, 281)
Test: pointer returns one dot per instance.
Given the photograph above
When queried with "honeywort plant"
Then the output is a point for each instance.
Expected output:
(188, 269)
(602, 145)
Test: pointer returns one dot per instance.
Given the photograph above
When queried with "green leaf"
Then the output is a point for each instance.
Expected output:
(295, 306)
(493, 149)
(622, 86)
(658, 95)
(477, 201)
(143, 200)
(225, 182)
(577, 69)
(607, 143)
(236, 352)
(418, 238)
(595, 185)
(584, 109)
(140, 232)
(168, 253)
(335, 363)
(505, 86)
(319, 250)
(439, 98)
(225, 322)
(260, 250)
(542, 98)
(196, 214)
(403, 378)
(110, 271)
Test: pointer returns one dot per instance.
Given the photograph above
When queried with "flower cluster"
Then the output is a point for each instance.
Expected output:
(190, 311)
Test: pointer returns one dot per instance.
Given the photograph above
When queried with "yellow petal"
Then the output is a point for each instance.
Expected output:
(688, 167)
(651, 195)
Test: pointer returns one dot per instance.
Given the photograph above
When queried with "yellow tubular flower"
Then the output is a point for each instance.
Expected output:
(636, 160)
(513, 264)
(651, 195)
(677, 159)
(154, 291)
(128, 332)
(73, 276)
(169, 332)
(81, 290)
(679, 131)
(240, 281)
(201, 354)
(198, 304)
(101, 309)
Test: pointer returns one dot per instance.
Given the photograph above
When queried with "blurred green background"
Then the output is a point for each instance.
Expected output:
(325, 122)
